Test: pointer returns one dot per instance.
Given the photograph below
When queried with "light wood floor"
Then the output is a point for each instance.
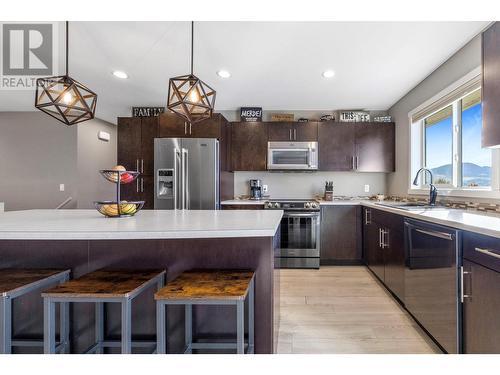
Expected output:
(344, 309)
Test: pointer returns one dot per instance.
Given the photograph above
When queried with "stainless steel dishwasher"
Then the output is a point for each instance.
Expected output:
(432, 281)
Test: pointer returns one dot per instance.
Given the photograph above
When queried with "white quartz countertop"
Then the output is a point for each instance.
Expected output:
(473, 221)
(146, 224)
(244, 201)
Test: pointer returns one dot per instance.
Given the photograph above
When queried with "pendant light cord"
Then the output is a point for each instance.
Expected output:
(192, 45)
(67, 37)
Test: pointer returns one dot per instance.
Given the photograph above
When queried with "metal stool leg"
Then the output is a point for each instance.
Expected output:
(251, 316)
(161, 344)
(64, 326)
(99, 326)
(126, 326)
(240, 327)
(49, 334)
(5, 325)
(189, 328)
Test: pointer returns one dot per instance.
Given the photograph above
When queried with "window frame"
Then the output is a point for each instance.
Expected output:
(417, 147)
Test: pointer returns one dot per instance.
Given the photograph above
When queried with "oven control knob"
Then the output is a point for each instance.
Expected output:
(276, 205)
(308, 205)
(268, 205)
(314, 205)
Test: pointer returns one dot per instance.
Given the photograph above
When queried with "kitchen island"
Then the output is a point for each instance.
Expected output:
(84, 241)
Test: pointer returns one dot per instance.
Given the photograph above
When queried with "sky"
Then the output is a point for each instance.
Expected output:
(439, 140)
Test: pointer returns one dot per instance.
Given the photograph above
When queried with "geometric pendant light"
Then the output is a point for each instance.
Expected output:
(190, 97)
(64, 98)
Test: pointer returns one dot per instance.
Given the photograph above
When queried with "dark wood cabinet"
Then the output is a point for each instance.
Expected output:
(146, 191)
(340, 234)
(129, 142)
(242, 206)
(481, 309)
(172, 126)
(292, 131)
(336, 146)
(375, 147)
(491, 86)
(149, 131)
(383, 248)
(249, 146)
(362, 147)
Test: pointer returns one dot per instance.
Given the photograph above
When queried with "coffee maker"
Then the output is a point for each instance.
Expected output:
(255, 189)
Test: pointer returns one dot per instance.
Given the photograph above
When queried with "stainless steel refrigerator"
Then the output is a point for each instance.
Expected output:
(187, 173)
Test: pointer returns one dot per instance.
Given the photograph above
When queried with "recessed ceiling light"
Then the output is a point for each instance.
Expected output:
(328, 73)
(223, 74)
(120, 74)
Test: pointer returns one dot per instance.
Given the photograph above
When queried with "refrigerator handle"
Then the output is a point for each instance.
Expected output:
(177, 159)
(185, 179)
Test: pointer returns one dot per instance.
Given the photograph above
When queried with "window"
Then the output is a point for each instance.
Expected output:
(446, 138)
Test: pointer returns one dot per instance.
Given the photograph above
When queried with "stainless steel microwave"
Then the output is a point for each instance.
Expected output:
(292, 155)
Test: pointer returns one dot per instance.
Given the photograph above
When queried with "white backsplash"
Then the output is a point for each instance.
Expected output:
(308, 184)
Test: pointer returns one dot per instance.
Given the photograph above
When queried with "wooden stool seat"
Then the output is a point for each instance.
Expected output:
(13, 281)
(104, 284)
(208, 284)
(208, 287)
(100, 287)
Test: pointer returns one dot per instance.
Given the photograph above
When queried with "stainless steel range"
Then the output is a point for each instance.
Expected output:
(299, 245)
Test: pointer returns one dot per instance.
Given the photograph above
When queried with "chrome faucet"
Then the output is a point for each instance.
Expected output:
(432, 189)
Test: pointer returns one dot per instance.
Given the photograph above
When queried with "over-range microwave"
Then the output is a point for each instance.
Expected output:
(292, 155)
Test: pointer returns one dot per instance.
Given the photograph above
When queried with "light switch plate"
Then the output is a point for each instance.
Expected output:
(61, 187)
(264, 188)
(367, 188)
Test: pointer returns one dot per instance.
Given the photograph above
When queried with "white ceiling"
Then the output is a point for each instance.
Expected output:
(276, 65)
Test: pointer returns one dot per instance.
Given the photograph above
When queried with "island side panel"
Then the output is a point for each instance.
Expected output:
(174, 255)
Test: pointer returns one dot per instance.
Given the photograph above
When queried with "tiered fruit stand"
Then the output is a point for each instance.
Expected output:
(119, 208)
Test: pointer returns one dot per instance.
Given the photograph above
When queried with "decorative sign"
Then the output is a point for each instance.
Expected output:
(251, 114)
(382, 119)
(354, 116)
(147, 111)
(282, 117)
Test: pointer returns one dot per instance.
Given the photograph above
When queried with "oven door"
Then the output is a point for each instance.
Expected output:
(300, 235)
(298, 155)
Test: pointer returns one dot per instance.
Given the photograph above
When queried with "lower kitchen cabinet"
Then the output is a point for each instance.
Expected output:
(141, 189)
(481, 309)
(384, 249)
(340, 234)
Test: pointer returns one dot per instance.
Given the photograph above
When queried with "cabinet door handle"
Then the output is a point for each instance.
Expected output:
(462, 283)
(352, 163)
(142, 165)
(142, 185)
(368, 213)
(295, 134)
(379, 237)
(290, 134)
(137, 165)
(137, 185)
(487, 252)
(357, 162)
(185, 128)
(190, 128)
(385, 238)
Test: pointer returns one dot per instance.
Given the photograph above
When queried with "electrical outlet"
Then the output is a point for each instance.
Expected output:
(264, 188)
(61, 187)
(367, 188)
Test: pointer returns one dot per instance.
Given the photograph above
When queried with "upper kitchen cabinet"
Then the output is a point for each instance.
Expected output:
(491, 86)
(249, 146)
(336, 146)
(361, 147)
(292, 131)
(136, 143)
(375, 147)
(173, 126)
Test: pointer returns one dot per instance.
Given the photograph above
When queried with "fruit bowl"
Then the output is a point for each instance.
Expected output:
(112, 209)
(126, 177)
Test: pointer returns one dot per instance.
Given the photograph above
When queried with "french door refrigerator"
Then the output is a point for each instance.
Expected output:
(187, 173)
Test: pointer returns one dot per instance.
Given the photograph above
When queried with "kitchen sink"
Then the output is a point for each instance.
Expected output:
(410, 206)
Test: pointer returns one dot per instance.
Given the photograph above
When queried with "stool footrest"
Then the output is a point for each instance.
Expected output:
(117, 344)
(216, 346)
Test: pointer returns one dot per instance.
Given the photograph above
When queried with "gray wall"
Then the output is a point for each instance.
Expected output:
(308, 184)
(93, 155)
(37, 153)
(461, 63)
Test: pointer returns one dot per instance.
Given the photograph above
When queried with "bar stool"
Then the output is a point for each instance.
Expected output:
(208, 287)
(15, 283)
(99, 287)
